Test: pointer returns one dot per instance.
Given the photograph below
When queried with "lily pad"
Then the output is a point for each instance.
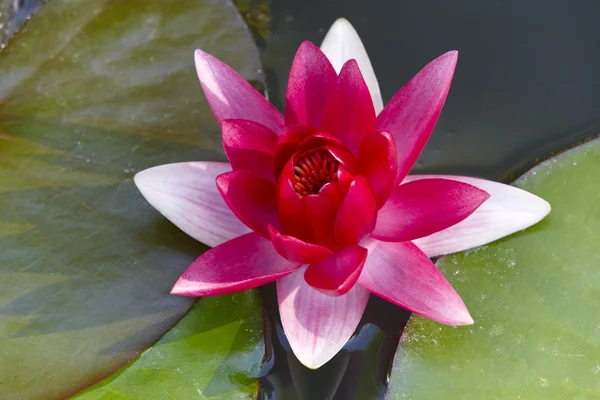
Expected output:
(208, 354)
(90, 93)
(534, 297)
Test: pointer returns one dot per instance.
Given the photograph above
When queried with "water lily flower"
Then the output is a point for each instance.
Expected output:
(320, 199)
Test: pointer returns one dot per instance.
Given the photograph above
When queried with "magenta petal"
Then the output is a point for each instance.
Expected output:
(316, 325)
(344, 157)
(320, 213)
(378, 160)
(319, 140)
(357, 213)
(231, 97)
(295, 250)
(402, 274)
(344, 180)
(249, 145)
(186, 194)
(338, 273)
(251, 197)
(332, 192)
(420, 208)
(414, 110)
(291, 211)
(288, 142)
(350, 114)
(311, 80)
(242, 263)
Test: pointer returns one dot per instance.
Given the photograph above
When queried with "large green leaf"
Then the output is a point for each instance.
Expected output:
(208, 354)
(92, 91)
(535, 300)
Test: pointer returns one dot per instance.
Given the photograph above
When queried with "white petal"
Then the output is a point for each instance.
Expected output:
(341, 44)
(317, 325)
(507, 211)
(186, 194)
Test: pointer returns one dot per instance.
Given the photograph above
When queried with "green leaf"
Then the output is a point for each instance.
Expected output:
(92, 91)
(535, 300)
(257, 14)
(208, 354)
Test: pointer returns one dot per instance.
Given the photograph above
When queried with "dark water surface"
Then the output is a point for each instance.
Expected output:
(527, 85)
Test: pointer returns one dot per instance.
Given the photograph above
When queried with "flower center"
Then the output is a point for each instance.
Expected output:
(312, 171)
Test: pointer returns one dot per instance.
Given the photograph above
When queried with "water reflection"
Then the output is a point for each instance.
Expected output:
(359, 371)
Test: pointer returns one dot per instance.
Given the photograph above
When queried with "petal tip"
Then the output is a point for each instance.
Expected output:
(139, 179)
(546, 207)
(352, 63)
(462, 317)
(314, 364)
(451, 56)
(179, 288)
(341, 24)
(539, 207)
(543, 210)
(143, 180)
(313, 361)
(307, 44)
(458, 317)
(467, 320)
(447, 61)
(200, 57)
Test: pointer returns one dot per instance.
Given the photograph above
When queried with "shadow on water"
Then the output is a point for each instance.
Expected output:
(368, 355)
(526, 87)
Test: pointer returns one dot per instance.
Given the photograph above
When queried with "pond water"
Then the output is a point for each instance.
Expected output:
(526, 86)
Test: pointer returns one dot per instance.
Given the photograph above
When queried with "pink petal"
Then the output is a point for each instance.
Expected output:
(318, 140)
(338, 273)
(231, 97)
(295, 250)
(350, 115)
(331, 191)
(402, 274)
(378, 159)
(341, 44)
(344, 180)
(317, 325)
(357, 213)
(251, 197)
(249, 145)
(345, 158)
(186, 194)
(508, 210)
(414, 110)
(422, 207)
(242, 263)
(320, 214)
(291, 211)
(288, 142)
(311, 80)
